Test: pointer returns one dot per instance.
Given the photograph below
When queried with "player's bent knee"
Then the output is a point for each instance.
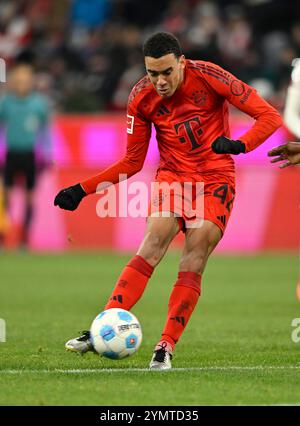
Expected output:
(193, 262)
(153, 248)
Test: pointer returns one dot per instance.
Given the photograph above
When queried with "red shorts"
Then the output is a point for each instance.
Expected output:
(193, 198)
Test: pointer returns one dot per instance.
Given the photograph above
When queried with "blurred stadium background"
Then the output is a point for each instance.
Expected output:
(87, 56)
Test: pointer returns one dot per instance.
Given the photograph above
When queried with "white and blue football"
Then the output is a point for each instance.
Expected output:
(116, 333)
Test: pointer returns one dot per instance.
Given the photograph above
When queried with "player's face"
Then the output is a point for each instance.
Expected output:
(22, 81)
(165, 73)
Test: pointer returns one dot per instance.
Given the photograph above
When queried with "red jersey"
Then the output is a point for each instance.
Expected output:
(188, 122)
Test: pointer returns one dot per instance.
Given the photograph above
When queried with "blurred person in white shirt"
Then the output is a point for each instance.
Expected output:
(289, 153)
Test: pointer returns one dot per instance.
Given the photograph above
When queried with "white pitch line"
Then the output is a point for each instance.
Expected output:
(130, 370)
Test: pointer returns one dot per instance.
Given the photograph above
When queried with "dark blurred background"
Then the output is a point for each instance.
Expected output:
(87, 53)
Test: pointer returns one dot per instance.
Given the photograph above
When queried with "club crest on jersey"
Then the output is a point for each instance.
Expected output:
(130, 123)
(199, 97)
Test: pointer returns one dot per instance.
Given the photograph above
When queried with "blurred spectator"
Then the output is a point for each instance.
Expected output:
(202, 33)
(175, 19)
(295, 38)
(89, 13)
(134, 72)
(14, 29)
(234, 39)
(292, 104)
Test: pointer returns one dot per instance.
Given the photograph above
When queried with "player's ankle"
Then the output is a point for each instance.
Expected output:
(167, 343)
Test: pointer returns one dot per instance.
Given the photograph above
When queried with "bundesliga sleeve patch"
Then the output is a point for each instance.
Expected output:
(130, 122)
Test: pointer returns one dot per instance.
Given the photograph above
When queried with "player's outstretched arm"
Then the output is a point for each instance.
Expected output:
(289, 151)
(137, 146)
(70, 198)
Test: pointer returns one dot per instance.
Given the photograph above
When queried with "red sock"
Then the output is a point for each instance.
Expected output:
(183, 299)
(131, 284)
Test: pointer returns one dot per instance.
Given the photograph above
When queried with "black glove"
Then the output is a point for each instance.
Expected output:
(69, 198)
(223, 145)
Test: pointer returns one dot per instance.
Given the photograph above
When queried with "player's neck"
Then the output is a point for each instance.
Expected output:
(181, 81)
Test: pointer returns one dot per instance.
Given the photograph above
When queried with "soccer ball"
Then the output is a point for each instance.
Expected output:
(116, 333)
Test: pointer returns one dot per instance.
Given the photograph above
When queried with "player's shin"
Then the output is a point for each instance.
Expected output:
(183, 299)
(131, 284)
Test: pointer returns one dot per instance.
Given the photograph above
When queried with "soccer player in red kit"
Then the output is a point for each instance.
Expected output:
(187, 101)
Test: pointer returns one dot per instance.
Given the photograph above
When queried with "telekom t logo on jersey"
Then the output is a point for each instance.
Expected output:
(191, 129)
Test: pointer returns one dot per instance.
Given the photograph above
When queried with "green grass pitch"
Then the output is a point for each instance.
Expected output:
(236, 350)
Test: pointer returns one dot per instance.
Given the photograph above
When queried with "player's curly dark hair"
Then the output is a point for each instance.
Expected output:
(160, 44)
